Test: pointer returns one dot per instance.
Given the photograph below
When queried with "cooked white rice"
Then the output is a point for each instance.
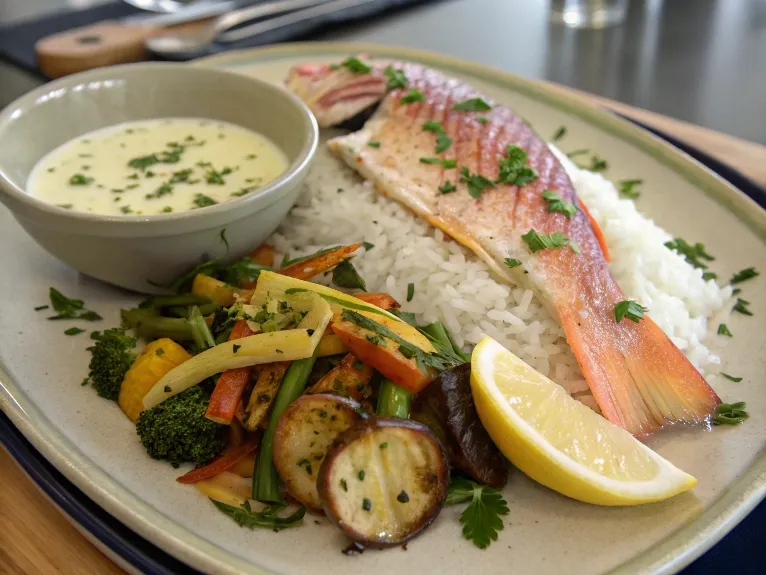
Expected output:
(455, 287)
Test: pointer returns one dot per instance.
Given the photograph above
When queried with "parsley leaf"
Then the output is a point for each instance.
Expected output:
(446, 163)
(514, 169)
(476, 182)
(743, 275)
(80, 180)
(443, 142)
(741, 307)
(482, 120)
(630, 309)
(67, 308)
(412, 96)
(537, 241)
(558, 204)
(203, 201)
(692, 253)
(74, 331)
(368, 246)
(628, 188)
(472, 105)
(396, 78)
(432, 126)
(373, 144)
(356, 66)
(560, 133)
(512, 262)
(346, 276)
(267, 518)
(410, 291)
(447, 187)
(731, 377)
(730, 413)
(709, 276)
(724, 330)
(481, 520)
(597, 164)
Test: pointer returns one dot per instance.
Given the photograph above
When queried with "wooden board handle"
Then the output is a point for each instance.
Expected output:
(102, 44)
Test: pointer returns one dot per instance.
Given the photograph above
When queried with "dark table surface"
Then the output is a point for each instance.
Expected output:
(702, 61)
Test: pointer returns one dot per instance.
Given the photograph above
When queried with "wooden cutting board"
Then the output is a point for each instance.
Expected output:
(36, 538)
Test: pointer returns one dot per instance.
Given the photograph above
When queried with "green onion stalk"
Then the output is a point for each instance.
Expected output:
(147, 323)
(201, 334)
(393, 400)
(265, 479)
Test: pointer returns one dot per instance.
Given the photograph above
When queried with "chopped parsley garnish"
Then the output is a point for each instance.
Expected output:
(558, 204)
(597, 164)
(126, 209)
(514, 169)
(482, 120)
(741, 307)
(360, 475)
(412, 96)
(65, 206)
(202, 201)
(476, 182)
(383, 445)
(724, 330)
(163, 190)
(80, 180)
(560, 133)
(630, 309)
(41, 307)
(482, 519)
(537, 241)
(730, 413)
(443, 142)
(366, 504)
(579, 152)
(373, 144)
(215, 177)
(180, 176)
(67, 308)
(74, 331)
(447, 187)
(731, 377)
(243, 192)
(356, 66)
(692, 253)
(512, 262)
(345, 275)
(743, 275)
(410, 291)
(628, 188)
(403, 497)
(368, 246)
(396, 78)
(433, 126)
(159, 352)
(167, 388)
(709, 276)
(446, 163)
(472, 105)
(344, 484)
(166, 210)
(235, 348)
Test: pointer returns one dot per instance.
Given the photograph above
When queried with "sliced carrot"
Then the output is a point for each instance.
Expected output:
(350, 377)
(231, 384)
(226, 460)
(263, 255)
(382, 300)
(386, 358)
(318, 264)
(596, 230)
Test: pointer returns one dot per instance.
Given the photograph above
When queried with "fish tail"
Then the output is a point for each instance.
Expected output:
(639, 378)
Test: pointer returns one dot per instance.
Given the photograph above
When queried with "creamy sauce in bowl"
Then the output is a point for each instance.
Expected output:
(156, 167)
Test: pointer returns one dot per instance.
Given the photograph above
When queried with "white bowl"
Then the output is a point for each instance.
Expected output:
(142, 252)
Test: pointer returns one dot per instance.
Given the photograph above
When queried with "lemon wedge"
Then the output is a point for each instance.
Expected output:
(561, 443)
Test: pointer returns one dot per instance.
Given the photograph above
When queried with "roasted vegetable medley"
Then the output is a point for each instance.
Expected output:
(288, 395)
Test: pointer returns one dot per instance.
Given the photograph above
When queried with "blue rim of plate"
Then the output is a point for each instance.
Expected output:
(147, 558)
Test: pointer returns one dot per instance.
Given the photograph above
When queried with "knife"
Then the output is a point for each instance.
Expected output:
(121, 41)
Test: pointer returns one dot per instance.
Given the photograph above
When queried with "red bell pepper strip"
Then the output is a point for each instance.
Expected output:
(231, 384)
(226, 460)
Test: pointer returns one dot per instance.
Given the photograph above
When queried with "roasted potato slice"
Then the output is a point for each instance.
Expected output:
(304, 432)
(263, 393)
(446, 407)
(384, 481)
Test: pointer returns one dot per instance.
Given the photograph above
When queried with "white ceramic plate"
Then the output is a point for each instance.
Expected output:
(96, 447)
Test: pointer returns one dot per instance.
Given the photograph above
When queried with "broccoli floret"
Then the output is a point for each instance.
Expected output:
(178, 431)
(111, 358)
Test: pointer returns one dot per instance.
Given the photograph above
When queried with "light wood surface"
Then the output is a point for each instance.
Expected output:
(35, 538)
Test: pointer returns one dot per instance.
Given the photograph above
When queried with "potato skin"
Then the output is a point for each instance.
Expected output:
(304, 432)
(429, 486)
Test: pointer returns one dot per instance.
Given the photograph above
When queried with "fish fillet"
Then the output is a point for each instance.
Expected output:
(638, 377)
